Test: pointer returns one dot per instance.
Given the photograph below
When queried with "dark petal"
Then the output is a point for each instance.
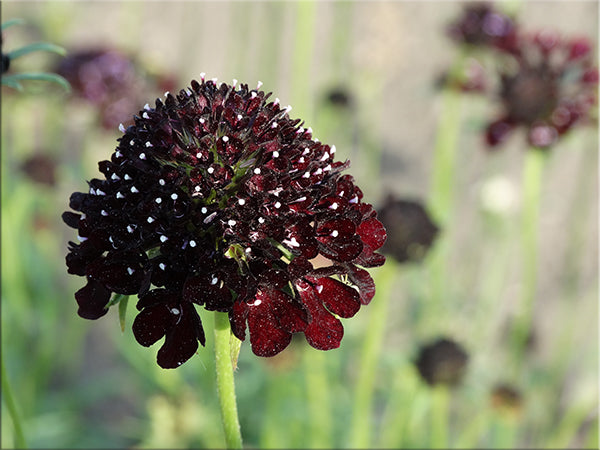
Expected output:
(497, 132)
(71, 219)
(299, 267)
(290, 315)
(92, 300)
(237, 319)
(182, 339)
(266, 336)
(208, 290)
(342, 250)
(324, 332)
(363, 280)
(155, 297)
(120, 273)
(372, 233)
(152, 323)
(339, 298)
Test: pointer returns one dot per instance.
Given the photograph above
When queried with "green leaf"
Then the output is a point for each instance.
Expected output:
(11, 80)
(36, 47)
(11, 22)
(12, 83)
(235, 345)
(123, 311)
(116, 299)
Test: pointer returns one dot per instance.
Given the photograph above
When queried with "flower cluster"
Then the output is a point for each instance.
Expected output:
(545, 83)
(110, 80)
(216, 198)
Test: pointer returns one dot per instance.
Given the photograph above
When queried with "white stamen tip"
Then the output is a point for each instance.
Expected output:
(175, 311)
(241, 202)
(119, 195)
(134, 190)
(334, 233)
(259, 84)
(210, 169)
(204, 210)
(145, 115)
(127, 177)
(231, 223)
(150, 219)
(161, 182)
(130, 271)
(142, 156)
(225, 139)
(275, 154)
(192, 243)
(174, 196)
(121, 128)
(104, 213)
(129, 228)
(148, 144)
(147, 107)
(163, 238)
(257, 171)
(158, 200)
(319, 288)
(162, 266)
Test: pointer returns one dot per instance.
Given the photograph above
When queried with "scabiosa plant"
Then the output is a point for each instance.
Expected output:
(482, 25)
(548, 86)
(442, 361)
(411, 232)
(214, 197)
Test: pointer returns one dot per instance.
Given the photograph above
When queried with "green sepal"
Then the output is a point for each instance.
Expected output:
(13, 80)
(235, 345)
(123, 312)
(36, 47)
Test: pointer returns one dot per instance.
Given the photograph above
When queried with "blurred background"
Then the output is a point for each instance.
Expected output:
(365, 77)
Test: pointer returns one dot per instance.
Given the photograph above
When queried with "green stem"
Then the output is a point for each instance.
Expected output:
(372, 344)
(225, 382)
(532, 186)
(12, 409)
(317, 392)
(439, 416)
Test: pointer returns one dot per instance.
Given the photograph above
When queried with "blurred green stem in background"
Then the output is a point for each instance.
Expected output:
(12, 408)
(225, 382)
(533, 171)
(361, 426)
(318, 399)
(440, 395)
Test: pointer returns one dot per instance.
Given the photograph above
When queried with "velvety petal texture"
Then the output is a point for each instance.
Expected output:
(216, 199)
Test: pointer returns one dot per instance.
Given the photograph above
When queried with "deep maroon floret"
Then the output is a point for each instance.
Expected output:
(442, 361)
(216, 198)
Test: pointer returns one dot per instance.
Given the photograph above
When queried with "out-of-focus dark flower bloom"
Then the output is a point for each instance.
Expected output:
(506, 399)
(40, 168)
(340, 97)
(215, 197)
(481, 25)
(5, 63)
(109, 79)
(550, 89)
(442, 362)
(410, 230)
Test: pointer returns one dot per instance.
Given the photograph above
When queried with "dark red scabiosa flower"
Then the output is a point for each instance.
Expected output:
(442, 362)
(482, 25)
(41, 169)
(108, 79)
(548, 88)
(410, 230)
(216, 198)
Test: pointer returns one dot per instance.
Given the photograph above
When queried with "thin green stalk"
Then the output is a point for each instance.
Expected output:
(12, 408)
(439, 416)
(361, 426)
(225, 382)
(318, 399)
(533, 170)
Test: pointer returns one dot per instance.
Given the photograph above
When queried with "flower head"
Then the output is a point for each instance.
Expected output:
(549, 88)
(482, 25)
(214, 197)
(410, 230)
(442, 362)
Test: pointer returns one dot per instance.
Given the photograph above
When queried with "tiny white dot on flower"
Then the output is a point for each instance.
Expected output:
(277, 205)
(234, 82)
(145, 115)
(161, 182)
(256, 302)
(130, 271)
(111, 240)
(240, 117)
(83, 216)
(259, 84)
(198, 155)
(174, 196)
(301, 160)
(306, 151)
(127, 177)
(242, 202)
(204, 210)
(99, 192)
(175, 311)
(309, 129)
(334, 233)
(225, 139)
(275, 154)
(188, 92)
(134, 190)
(353, 199)
(288, 108)
(147, 107)
(142, 156)
(163, 238)
(257, 171)
(121, 128)
(162, 266)
(319, 171)
(261, 220)
(149, 144)
(276, 102)
(333, 206)
(92, 191)
(81, 239)
(327, 168)
(214, 80)
(158, 200)
(150, 219)
(253, 94)
(231, 223)
(132, 142)
(130, 228)
(325, 156)
(274, 125)
(214, 280)
(114, 176)
(103, 212)
(197, 188)
(192, 243)
(201, 120)
(210, 169)
(319, 288)
(118, 154)
(248, 250)
(306, 175)
(202, 75)
(167, 93)
(341, 194)
(119, 195)
(332, 149)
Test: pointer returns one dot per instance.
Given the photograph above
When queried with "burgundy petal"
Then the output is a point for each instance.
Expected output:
(151, 324)
(182, 339)
(92, 300)
(365, 283)
(339, 298)
(372, 232)
(324, 332)
(266, 336)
